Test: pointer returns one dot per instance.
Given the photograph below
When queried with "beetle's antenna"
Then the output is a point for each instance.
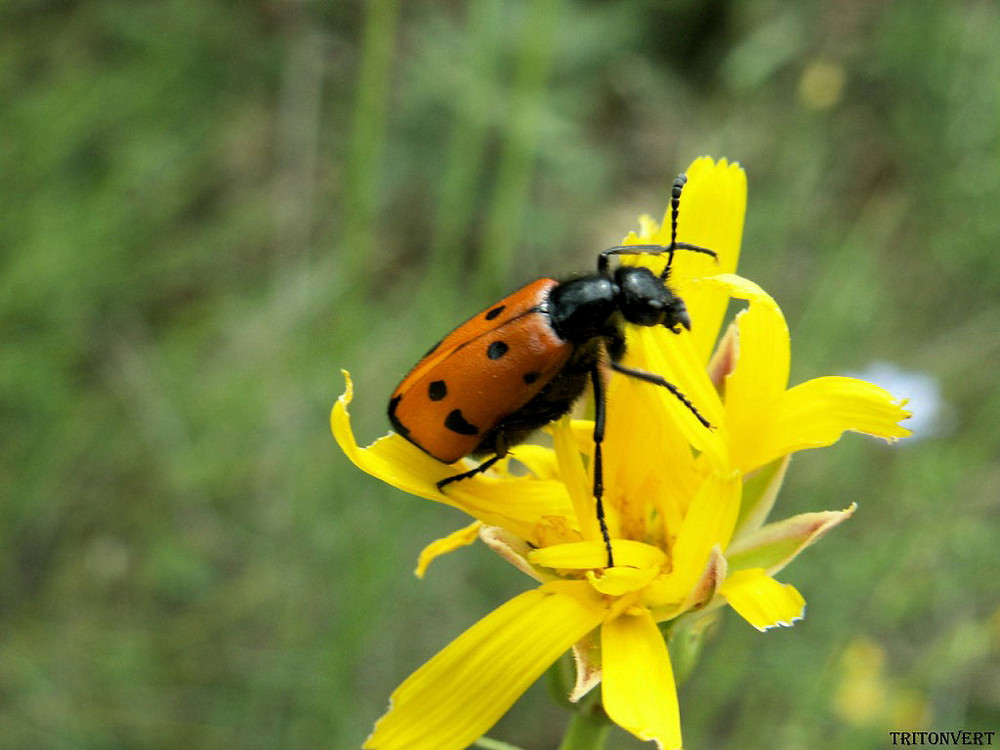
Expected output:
(675, 204)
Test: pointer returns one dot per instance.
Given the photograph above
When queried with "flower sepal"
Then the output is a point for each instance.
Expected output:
(775, 545)
(760, 490)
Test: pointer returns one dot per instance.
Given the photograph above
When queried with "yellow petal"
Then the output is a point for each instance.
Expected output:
(765, 421)
(461, 692)
(519, 505)
(392, 459)
(709, 522)
(571, 555)
(617, 582)
(673, 357)
(758, 362)
(711, 215)
(641, 439)
(538, 459)
(835, 404)
(639, 693)
(461, 538)
(761, 600)
(816, 413)
(574, 476)
(587, 555)
(647, 227)
(761, 371)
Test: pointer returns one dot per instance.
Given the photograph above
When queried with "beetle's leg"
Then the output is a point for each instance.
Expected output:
(499, 449)
(600, 409)
(471, 472)
(650, 377)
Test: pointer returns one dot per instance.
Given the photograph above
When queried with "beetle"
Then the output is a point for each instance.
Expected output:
(524, 361)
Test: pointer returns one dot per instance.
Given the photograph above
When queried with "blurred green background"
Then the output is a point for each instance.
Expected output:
(209, 207)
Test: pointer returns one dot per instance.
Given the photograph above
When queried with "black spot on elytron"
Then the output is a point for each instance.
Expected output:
(531, 377)
(456, 423)
(496, 350)
(495, 311)
(437, 390)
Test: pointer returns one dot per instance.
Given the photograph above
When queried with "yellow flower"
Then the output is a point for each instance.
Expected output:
(686, 505)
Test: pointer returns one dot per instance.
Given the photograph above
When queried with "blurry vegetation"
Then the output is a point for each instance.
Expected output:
(210, 207)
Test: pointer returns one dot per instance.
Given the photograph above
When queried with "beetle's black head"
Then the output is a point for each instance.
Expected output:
(645, 299)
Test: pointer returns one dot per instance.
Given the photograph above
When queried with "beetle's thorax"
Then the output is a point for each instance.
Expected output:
(590, 306)
(581, 309)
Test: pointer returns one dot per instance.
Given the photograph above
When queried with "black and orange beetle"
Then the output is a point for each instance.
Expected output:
(524, 361)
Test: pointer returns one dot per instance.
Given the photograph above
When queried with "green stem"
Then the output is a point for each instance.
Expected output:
(587, 730)
(588, 727)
